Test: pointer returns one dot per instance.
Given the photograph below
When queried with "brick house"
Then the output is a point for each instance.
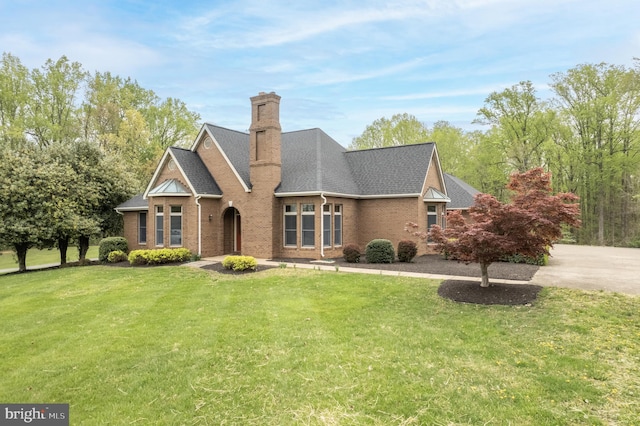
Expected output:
(296, 194)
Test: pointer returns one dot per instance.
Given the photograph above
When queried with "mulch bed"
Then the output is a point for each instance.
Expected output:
(217, 267)
(436, 264)
(463, 290)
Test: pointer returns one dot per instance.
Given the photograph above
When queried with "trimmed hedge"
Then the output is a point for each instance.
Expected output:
(117, 256)
(109, 244)
(159, 256)
(351, 253)
(407, 250)
(240, 263)
(380, 250)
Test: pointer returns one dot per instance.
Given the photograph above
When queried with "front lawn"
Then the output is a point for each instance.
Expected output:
(174, 345)
(35, 257)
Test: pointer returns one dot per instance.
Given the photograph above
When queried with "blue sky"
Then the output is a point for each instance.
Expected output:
(338, 65)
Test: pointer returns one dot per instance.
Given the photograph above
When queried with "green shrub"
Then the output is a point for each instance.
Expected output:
(117, 256)
(107, 245)
(240, 263)
(159, 256)
(407, 250)
(541, 260)
(351, 253)
(379, 251)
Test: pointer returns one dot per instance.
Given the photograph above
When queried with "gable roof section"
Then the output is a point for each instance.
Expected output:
(170, 187)
(461, 193)
(196, 174)
(234, 147)
(396, 170)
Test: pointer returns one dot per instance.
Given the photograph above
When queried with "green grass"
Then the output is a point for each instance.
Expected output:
(172, 345)
(36, 257)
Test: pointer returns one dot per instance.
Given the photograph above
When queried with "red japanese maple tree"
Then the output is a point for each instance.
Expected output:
(528, 225)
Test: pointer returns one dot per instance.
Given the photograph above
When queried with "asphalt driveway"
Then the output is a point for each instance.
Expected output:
(592, 268)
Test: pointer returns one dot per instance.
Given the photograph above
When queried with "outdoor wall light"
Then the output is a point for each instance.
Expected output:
(210, 217)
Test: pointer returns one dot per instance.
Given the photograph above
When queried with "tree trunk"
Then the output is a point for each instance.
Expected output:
(63, 245)
(484, 267)
(21, 252)
(83, 248)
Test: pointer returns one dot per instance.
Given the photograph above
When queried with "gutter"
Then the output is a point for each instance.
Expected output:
(199, 225)
(324, 202)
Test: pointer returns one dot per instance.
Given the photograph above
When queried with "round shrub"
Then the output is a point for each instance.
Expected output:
(407, 250)
(240, 263)
(117, 256)
(379, 251)
(107, 245)
(351, 253)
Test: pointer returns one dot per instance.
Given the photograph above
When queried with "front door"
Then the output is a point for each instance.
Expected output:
(232, 231)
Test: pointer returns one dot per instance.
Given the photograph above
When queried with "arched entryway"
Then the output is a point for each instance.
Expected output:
(232, 231)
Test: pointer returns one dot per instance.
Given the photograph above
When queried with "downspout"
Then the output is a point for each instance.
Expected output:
(324, 202)
(199, 225)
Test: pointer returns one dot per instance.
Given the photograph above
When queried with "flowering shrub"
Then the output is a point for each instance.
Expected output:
(407, 250)
(351, 253)
(240, 263)
(159, 256)
(117, 256)
(380, 251)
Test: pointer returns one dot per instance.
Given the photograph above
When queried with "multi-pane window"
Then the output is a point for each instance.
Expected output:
(308, 225)
(176, 225)
(337, 225)
(290, 225)
(142, 228)
(432, 215)
(326, 225)
(159, 225)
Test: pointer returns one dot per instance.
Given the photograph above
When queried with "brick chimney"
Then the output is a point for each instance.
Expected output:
(265, 166)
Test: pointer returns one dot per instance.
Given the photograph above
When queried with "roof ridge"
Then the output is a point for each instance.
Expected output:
(226, 128)
(392, 146)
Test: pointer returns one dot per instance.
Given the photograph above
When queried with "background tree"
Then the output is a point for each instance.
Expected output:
(528, 225)
(34, 194)
(523, 124)
(401, 129)
(601, 105)
(54, 103)
(15, 92)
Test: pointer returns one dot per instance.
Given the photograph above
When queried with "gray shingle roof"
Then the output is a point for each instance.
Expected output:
(392, 170)
(235, 146)
(135, 203)
(461, 193)
(313, 162)
(196, 172)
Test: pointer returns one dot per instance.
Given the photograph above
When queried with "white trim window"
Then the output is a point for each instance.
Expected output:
(337, 225)
(326, 225)
(290, 225)
(176, 225)
(308, 223)
(159, 226)
(432, 215)
(142, 228)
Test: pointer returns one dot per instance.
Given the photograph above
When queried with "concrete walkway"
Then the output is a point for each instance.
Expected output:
(615, 269)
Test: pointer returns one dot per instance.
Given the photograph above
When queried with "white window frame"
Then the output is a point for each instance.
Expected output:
(337, 230)
(307, 210)
(175, 211)
(290, 210)
(326, 230)
(159, 230)
(142, 230)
